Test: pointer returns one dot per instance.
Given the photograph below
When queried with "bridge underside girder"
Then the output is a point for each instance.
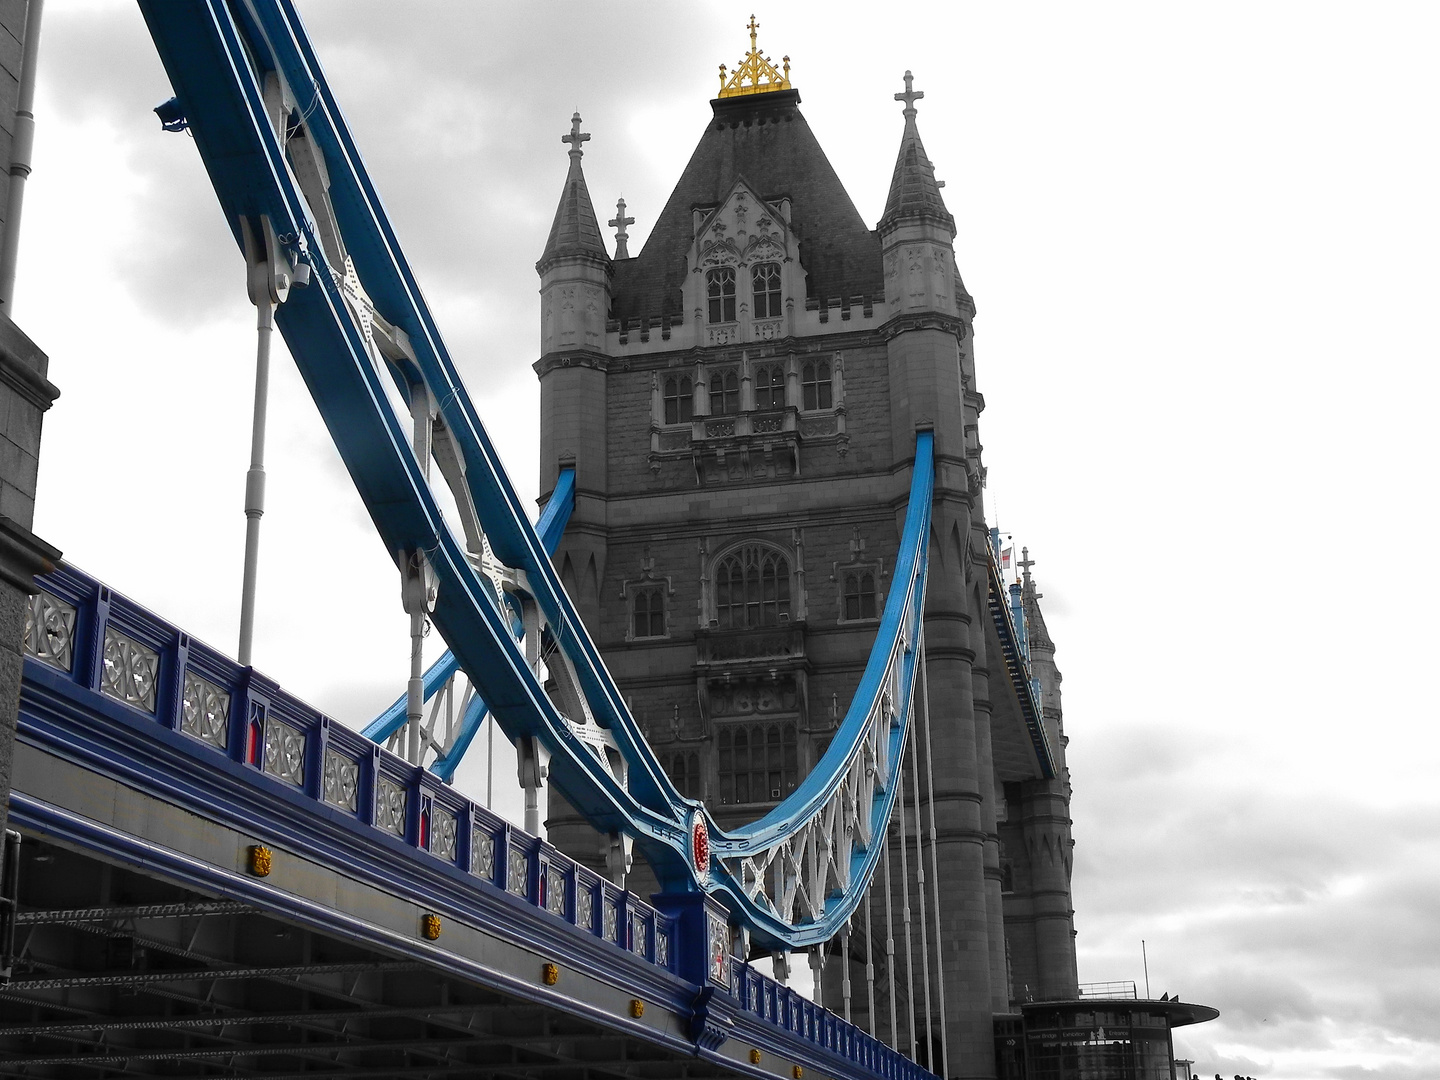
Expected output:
(120, 973)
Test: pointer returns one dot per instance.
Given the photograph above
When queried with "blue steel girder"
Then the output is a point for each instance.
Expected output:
(218, 56)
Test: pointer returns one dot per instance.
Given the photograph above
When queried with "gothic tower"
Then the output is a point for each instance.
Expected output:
(740, 400)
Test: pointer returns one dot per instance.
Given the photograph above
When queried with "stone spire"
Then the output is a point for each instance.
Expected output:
(576, 229)
(618, 223)
(914, 192)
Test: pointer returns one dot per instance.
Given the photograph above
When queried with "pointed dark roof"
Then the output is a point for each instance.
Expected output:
(576, 229)
(1039, 633)
(914, 194)
(764, 139)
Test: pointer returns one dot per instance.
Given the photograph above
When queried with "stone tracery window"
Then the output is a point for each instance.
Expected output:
(769, 386)
(720, 291)
(724, 393)
(765, 278)
(679, 399)
(684, 772)
(858, 595)
(757, 761)
(816, 385)
(752, 588)
(647, 612)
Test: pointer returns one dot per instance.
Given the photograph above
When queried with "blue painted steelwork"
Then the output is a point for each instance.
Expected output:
(1007, 612)
(223, 58)
(550, 527)
(65, 713)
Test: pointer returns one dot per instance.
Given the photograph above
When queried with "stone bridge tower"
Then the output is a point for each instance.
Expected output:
(740, 400)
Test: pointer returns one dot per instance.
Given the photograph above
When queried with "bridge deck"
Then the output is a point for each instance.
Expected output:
(149, 773)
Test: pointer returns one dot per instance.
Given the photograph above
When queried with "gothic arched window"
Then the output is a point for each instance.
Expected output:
(757, 762)
(752, 588)
(859, 595)
(769, 387)
(765, 277)
(724, 393)
(720, 290)
(647, 612)
(679, 399)
(684, 770)
(815, 380)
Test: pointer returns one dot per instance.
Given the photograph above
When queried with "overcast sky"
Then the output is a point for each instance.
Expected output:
(1201, 239)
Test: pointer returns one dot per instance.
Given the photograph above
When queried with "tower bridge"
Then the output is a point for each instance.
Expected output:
(771, 693)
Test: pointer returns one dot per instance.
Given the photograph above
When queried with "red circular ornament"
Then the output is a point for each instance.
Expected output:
(700, 845)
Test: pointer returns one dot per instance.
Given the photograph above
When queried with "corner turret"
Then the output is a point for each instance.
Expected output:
(575, 269)
(575, 287)
(917, 232)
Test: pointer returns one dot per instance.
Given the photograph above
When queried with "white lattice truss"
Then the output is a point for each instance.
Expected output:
(441, 723)
(796, 876)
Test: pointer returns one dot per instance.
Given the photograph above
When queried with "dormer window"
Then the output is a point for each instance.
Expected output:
(815, 382)
(765, 277)
(725, 390)
(769, 387)
(720, 288)
(679, 399)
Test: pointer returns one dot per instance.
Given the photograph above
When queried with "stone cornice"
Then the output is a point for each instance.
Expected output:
(23, 555)
(925, 320)
(569, 358)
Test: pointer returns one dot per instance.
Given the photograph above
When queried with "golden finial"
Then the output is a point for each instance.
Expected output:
(756, 73)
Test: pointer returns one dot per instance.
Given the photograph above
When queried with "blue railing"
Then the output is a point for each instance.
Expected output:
(228, 718)
(116, 689)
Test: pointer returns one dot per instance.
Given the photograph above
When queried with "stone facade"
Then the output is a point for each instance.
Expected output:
(25, 395)
(740, 401)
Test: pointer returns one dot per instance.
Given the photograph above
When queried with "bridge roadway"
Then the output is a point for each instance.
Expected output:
(216, 880)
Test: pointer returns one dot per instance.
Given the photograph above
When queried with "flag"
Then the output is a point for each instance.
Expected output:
(1007, 557)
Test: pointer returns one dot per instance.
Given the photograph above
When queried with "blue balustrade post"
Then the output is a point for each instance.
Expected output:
(701, 955)
(315, 760)
(92, 671)
(170, 694)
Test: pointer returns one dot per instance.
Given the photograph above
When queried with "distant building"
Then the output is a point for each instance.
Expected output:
(740, 401)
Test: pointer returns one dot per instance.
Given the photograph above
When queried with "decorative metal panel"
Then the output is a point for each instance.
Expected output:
(639, 934)
(284, 752)
(205, 711)
(482, 854)
(719, 950)
(50, 631)
(517, 879)
(342, 781)
(555, 890)
(610, 921)
(444, 828)
(662, 948)
(130, 670)
(584, 906)
(390, 806)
